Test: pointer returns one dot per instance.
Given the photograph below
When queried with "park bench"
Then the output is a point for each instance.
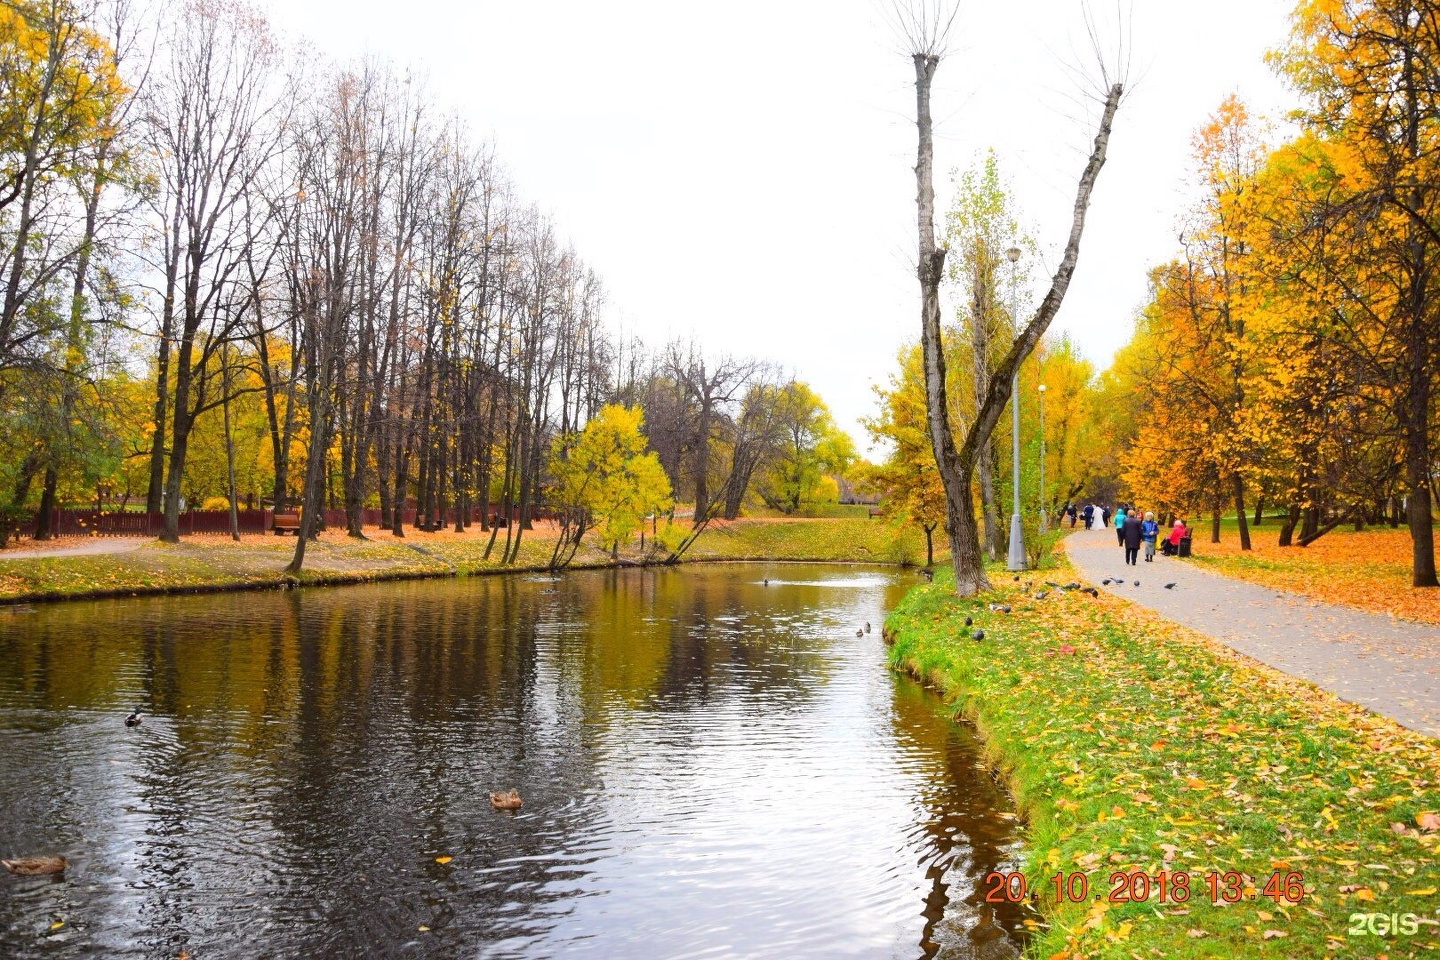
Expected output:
(875, 512)
(287, 523)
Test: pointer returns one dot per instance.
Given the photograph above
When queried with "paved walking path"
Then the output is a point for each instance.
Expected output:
(1387, 665)
(85, 547)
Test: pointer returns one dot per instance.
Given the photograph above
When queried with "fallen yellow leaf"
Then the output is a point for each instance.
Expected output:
(443, 859)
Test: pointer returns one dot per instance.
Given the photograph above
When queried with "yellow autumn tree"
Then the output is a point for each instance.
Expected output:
(907, 479)
(608, 479)
(1366, 70)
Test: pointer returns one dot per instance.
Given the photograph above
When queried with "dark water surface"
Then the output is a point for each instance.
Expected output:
(709, 767)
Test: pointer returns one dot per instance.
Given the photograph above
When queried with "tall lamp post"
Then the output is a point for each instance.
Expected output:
(1016, 559)
(1044, 510)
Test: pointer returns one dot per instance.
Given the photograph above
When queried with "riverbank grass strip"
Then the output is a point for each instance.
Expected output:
(830, 540)
(1135, 746)
(206, 562)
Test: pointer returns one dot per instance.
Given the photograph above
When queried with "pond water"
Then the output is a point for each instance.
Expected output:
(710, 766)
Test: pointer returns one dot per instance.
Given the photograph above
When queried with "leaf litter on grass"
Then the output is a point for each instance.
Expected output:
(1157, 749)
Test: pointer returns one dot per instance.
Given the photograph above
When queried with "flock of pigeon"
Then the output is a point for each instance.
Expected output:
(1120, 582)
(978, 634)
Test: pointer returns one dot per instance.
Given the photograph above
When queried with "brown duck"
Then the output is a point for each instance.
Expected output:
(35, 866)
(505, 800)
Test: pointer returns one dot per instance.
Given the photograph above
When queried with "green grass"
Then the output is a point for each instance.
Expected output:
(210, 562)
(814, 511)
(1151, 748)
(854, 540)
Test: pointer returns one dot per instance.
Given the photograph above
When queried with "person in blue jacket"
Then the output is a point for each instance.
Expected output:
(1120, 525)
(1149, 530)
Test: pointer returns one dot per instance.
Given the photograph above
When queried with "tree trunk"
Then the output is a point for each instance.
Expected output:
(310, 496)
(702, 458)
(154, 493)
(1287, 529)
(986, 471)
(1311, 538)
(230, 456)
(1237, 484)
(1416, 419)
(956, 469)
(44, 516)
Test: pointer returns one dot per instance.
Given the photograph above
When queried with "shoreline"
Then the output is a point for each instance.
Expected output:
(1131, 745)
(201, 565)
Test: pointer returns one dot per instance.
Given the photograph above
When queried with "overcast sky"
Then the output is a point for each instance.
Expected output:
(744, 174)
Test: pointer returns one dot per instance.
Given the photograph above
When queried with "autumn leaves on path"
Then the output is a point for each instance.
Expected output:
(1388, 665)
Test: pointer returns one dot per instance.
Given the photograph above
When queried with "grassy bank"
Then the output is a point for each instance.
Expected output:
(203, 563)
(1135, 746)
(1369, 570)
(857, 540)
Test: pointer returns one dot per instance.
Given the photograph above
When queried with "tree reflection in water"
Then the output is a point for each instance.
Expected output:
(707, 764)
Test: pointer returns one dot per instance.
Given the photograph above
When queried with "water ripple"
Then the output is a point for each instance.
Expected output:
(710, 768)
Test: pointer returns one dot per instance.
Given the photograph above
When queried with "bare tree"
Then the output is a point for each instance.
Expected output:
(925, 28)
(214, 123)
(711, 386)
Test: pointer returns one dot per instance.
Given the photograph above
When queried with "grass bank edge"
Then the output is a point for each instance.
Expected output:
(1150, 736)
(219, 565)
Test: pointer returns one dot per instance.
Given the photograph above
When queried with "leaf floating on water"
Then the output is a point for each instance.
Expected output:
(446, 859)
(57, 924)
(424, 929)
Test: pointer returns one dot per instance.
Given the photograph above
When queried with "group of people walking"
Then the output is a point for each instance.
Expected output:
(1133, 530)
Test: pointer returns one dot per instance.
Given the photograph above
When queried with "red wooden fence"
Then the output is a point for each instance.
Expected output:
(133, 523)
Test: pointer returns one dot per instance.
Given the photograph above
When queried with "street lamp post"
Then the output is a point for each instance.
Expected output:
(1044, 518)
(1016, 559)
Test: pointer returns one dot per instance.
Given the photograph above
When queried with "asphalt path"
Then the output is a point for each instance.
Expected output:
(82, 547)
(1383, 663)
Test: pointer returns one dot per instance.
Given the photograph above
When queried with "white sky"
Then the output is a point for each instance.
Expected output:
(744, 174)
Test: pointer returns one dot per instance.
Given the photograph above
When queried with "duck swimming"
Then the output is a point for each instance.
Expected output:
(505, 800)
(35, 866)
(134, 719)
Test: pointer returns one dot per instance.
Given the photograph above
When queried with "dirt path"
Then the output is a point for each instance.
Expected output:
(1387, 665)
(76, 547)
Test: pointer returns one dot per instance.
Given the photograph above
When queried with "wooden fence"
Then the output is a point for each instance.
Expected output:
(133, 523)
(137, 523)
